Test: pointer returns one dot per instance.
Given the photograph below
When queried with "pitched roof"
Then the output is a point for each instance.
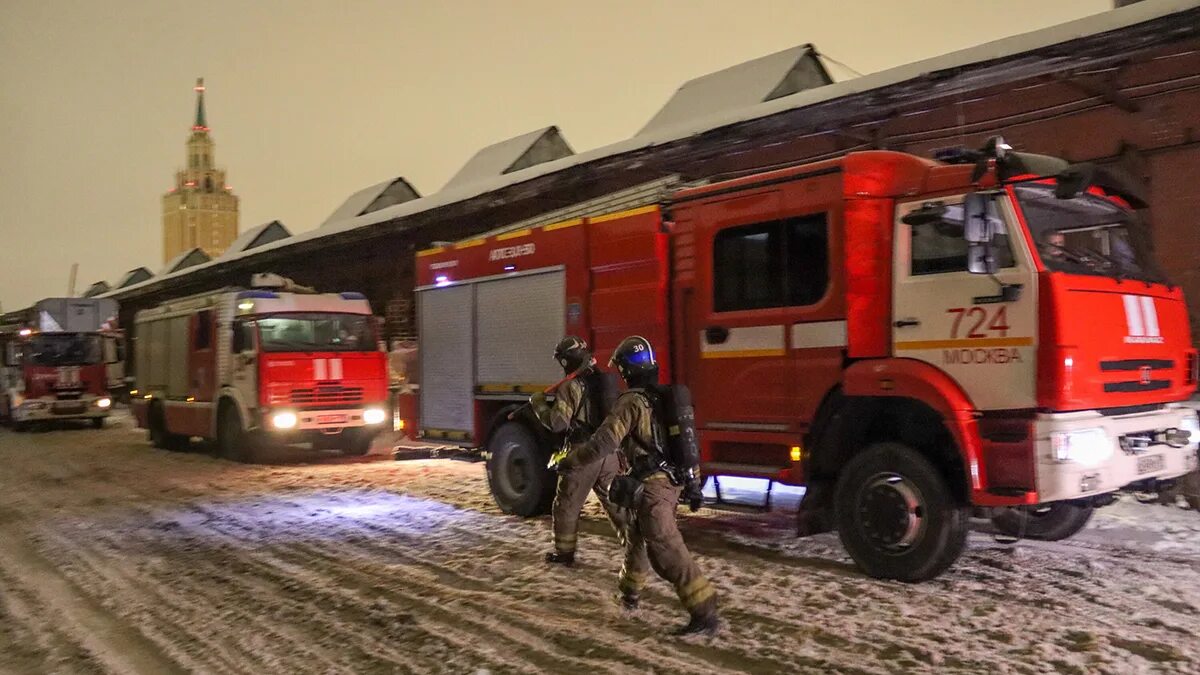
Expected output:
(256, 236)
(134, 276)
(514, 154)
(388, 193)
(96, 289)
(758, 81)
(189, 258)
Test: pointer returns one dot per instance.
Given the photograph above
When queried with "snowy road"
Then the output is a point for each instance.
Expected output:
(118, 558)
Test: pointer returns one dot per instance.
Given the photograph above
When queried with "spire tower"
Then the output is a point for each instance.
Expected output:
(200, 211)
(201, 122)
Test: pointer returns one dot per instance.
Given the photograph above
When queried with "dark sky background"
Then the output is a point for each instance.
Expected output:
(309, 101)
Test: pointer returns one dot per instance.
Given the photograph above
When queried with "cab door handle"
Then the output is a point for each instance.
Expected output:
(905, 323)
(715, 335)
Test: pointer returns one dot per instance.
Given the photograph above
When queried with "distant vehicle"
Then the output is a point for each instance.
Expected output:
(61, 360)
(908, 338)
(273, 363)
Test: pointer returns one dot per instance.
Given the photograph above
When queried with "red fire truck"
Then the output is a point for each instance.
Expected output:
(61, 359)
(908, 338)
(244, 367)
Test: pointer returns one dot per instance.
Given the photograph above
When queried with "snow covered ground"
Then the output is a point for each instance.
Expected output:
(118, 558)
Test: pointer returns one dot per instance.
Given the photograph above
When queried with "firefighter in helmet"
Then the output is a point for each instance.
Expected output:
(579, 407)
(650, 491)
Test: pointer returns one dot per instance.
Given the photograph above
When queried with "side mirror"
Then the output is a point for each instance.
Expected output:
(980, 259)
(979, 219)
(1073, 180)
(930, 212)
(238, 345)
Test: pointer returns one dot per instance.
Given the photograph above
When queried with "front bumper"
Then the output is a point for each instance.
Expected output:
(1124, 465)
(325, 421)
(40, 410)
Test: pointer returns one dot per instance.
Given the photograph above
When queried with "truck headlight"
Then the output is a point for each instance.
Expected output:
(374, 415)
(103, 403)
(1088, 447)
(284, 420)
(1191, 424)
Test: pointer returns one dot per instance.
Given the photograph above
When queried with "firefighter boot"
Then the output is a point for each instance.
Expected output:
(630, 600)
(556, 558)
(708, 625)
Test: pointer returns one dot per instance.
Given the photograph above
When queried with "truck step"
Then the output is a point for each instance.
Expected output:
(747, 470)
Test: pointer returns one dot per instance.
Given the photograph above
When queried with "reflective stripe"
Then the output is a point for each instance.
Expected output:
(819, 334)
(695, 593)
(746, 342)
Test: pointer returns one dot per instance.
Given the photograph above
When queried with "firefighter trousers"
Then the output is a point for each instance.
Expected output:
(655, 542)
(573, 489)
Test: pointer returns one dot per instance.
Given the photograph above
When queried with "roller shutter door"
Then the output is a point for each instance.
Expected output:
(519, 320)
(447, 366)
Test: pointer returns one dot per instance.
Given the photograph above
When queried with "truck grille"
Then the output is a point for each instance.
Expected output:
(327, 395)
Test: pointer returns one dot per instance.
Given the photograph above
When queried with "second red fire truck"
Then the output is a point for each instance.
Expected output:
(60, 360)
(275, 362)
(908, 338)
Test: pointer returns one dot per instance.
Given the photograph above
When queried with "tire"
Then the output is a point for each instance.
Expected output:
(896, 515)
(157, 427)
(233, 441)
(20, 427)
(1046, 522)
(97, 422)
(517, 475)
(356, 442)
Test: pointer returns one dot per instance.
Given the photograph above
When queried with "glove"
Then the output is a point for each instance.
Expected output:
(567, 461)
(556, 460)
(694, 495)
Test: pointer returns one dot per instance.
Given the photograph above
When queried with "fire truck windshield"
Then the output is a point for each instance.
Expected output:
(64, 349)
(1087, 234)
(313, 332)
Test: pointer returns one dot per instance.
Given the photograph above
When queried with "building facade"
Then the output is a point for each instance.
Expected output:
(200, 210)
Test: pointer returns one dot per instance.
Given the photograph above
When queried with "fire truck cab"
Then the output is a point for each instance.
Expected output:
(907, 338)
(60, 360)
(244, 367)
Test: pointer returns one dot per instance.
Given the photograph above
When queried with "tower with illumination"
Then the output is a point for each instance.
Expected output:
(200, 210)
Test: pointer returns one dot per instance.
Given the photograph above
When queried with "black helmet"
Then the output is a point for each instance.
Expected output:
(572, 353)
(634, 359)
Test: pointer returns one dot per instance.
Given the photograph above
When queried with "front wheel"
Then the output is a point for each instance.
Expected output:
(97, 422)
(896, 515)
(517, 474)
(234, 442)
(1045, 522)
(356, 442)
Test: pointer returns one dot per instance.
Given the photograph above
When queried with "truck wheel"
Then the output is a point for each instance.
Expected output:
(20, 427)
(356, 441)
(896, 515)
(517, 474)
(233, 441)
(157, 424)
(97, 422)
(1045, 522)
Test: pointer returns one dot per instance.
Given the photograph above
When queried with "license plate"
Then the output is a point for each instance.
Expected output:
(331, 419)
(1151, 463)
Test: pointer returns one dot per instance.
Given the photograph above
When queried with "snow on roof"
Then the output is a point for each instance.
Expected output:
(514, 154)
(762, 79)
(1096, 24)
(134, 277)
(388, 193)
(189, 258)
(256, 236)
(96, 289)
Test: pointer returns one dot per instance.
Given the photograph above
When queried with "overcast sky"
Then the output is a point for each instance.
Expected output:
(309, 101)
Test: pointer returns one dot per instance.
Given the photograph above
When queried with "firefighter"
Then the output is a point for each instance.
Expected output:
(579, 407)
(650, 490)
